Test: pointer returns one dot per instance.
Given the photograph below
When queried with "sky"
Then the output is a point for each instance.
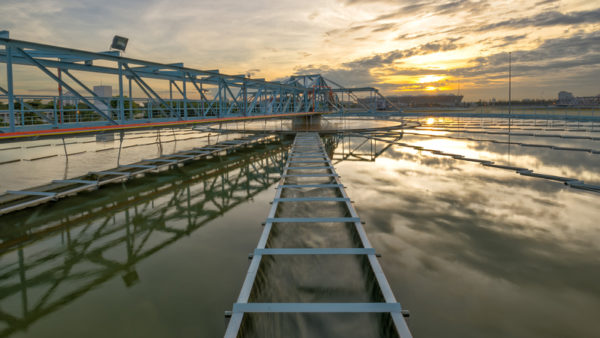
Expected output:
(401, 47)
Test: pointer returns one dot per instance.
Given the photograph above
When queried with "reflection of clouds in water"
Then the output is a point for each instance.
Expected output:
(575, 161)
(443, 162)
(576, 164)
(481, 251)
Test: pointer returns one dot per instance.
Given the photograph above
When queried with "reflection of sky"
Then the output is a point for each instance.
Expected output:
(567, 163)
(86, 154)
(480, 252)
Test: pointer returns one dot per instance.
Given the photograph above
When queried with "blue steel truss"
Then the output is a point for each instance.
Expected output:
(194, 95)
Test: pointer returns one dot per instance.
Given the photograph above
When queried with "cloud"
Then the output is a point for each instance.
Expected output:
(431, 8)
(358, 40)
(547, 19)
(384, 27)
(578, 54)
(509, 40)
(403, 11)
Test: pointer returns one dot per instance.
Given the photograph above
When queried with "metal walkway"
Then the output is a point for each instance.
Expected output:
(14, 200)
(308, 163)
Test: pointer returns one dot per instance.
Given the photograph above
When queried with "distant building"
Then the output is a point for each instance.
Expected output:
(103, 92)
(568, 99)
(69, 99)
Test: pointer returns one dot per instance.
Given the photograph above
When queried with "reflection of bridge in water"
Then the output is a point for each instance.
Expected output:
(154, 213)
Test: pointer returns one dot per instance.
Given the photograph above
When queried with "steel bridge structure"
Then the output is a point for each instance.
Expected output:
(194, 96)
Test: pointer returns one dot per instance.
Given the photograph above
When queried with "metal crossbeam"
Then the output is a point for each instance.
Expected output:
(181, 156)
(33, 193)
(309, 175)
(158, 160)
(316, 307)
(309, 156)
(308, 168)
(141, 166)
(305, 154)
(337, 186)
(323, 161)
(315, 251)
(76, 181)
(118, 173)
(313, 220)
(312, 199)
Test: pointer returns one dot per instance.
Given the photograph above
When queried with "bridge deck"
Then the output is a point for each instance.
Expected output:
(309, 178)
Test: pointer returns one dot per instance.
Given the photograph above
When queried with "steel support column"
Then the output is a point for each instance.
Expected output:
(121, 102)
(11, 93)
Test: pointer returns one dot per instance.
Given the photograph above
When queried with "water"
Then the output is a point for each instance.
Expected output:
(471, 251)
(77, 156)
(483, 252)
(159, 256)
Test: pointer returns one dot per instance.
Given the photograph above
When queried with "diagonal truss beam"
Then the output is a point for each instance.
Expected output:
(141, 82)
(64, 84)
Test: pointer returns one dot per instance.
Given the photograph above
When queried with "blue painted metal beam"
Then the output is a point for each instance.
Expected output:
(316, 307)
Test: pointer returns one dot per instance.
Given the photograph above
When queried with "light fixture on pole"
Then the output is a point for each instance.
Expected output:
(119, 43)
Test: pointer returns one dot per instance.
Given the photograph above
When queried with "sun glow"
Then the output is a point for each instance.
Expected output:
(430, 88)
(430, 78)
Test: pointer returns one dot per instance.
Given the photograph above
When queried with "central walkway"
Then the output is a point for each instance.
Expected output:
(314, 272)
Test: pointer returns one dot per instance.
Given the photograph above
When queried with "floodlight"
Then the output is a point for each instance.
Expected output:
(119, 43)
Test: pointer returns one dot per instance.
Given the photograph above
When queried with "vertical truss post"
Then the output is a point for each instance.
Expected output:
(60, 98)
(130, 99)
(185, 111)
(121, 103)
(280, 101)
(245, 98)
(22, 110)
(54, 112)
(11, 93)
(203, 97)
(221, 90)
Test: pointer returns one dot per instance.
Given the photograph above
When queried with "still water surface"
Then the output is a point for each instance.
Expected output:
(471, 251)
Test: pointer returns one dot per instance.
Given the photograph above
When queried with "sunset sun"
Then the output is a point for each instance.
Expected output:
(430, 78)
